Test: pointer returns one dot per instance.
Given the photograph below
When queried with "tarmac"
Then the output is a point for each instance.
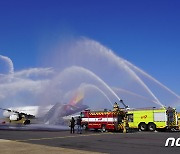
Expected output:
(45, 142)
(13, 147)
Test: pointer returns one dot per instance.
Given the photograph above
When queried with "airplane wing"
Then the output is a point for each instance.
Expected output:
(6, 110)
(29, 116)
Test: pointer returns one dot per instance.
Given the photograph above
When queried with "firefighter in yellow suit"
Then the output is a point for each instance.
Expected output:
(115, 107)
(125, 125)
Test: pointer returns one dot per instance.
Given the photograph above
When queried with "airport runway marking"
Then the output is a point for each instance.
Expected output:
(61, 137)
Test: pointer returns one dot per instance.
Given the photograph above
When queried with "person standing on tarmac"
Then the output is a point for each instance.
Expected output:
(72, 124)
(79, 129)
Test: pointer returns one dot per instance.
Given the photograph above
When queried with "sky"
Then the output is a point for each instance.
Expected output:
(146, 33)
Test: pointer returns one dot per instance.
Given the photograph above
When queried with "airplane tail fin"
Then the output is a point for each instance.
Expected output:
(77, 99)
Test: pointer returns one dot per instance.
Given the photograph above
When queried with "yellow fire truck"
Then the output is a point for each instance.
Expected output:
(153, 118)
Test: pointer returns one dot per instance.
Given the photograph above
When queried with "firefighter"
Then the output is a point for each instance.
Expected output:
(116, 107)
(72, 124)
(79, 129)
(125, 125)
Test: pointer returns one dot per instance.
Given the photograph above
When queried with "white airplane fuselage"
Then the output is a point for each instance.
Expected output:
(36, 111)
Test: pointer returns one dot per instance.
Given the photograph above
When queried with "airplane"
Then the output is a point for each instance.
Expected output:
(22, 114)
(48, 114)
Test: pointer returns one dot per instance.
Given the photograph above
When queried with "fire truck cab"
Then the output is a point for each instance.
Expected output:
(105, 120)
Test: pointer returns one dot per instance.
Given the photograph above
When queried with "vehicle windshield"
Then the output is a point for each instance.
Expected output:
(170, 117)
(82, 115)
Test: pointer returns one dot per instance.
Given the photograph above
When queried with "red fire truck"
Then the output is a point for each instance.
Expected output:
(105, 120)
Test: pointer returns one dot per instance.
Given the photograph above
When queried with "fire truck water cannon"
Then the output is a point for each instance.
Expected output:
(122, 102)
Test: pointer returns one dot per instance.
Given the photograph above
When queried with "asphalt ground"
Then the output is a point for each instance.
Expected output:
(88, 141)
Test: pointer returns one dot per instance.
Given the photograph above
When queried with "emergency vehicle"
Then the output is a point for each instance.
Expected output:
(153, 118)
(105, 120)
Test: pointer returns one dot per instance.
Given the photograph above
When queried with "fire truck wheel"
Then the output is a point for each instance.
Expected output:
(86, 127)
(142, 126)
(103, 128)
(151, 127)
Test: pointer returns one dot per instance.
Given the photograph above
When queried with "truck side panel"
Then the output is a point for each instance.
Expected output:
(158, 117)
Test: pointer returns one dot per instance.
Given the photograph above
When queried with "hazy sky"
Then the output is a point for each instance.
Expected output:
(147, 33)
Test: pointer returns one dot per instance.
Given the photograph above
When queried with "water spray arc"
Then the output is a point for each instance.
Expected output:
(137, 95)
(150, 77)
(10, 63)
(121, 64)
(85, 86)
(145, 86)
(90, 73)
